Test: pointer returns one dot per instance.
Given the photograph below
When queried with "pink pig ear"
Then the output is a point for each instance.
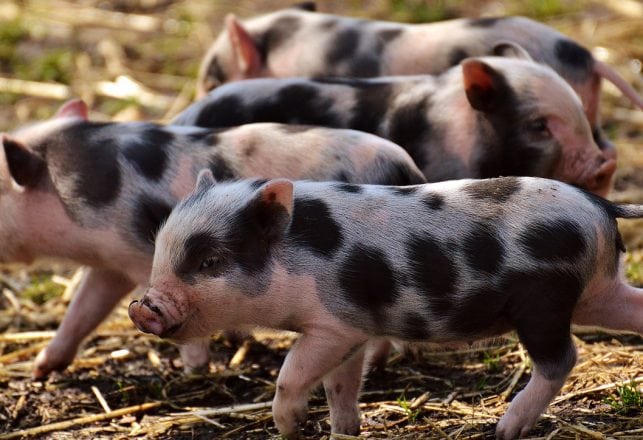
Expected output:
(25, 167)
(278, 191)
(485, 87)
(273, 206)
(204, 180)
(244, 48)
(75, 108)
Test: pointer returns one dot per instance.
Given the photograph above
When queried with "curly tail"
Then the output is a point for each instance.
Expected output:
(612, 76)
(628, 211)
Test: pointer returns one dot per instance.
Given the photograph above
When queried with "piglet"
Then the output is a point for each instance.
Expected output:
(343, 264)
(95, 193)
(298, 42)
(488, 117)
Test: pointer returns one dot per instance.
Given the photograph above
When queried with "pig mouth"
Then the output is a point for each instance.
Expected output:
(149, 318)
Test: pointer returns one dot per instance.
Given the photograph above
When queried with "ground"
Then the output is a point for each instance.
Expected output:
(58, 49)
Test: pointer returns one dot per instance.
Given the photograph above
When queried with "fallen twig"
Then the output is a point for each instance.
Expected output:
(607, 386)
(59, 426)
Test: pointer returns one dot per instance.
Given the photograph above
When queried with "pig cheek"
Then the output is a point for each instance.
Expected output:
(578, 153)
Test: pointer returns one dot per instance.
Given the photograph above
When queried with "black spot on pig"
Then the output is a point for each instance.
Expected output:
(258, 183)
(432, 271)
(404, 190)
(496, 190)
(297, 104)
(342, 46)
(415, 327)
(574, 56)
(365, 65)
(367, 280)
(479, 311)
(539, 307)
(457, 55)
(215, 74)
(371, 104)
(348, 188)
(433, 201)
(280, 31)
(85, 156)
(198, 247)
(483, 248)
(227, 111)
(147, 151)
(314, 228)
(408, 126)
(220, 168)
(149, 213)
(557, 239)
(255, 228)
(388, 35)
(484, 22)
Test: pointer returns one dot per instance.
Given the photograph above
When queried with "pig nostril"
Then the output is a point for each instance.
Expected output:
(146, 302)
(132, 303)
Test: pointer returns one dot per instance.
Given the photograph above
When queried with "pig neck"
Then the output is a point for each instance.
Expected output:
(452, 138)
(290, 301)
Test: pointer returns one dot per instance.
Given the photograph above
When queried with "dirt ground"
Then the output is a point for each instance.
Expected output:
(137, 59)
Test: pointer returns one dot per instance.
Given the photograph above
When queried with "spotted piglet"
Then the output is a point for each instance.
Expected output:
(489, 117)
(342, 264)
(297, 42)
(95, 193)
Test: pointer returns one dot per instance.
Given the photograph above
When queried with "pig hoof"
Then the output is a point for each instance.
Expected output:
(347, 427)
(45, 364)
(511, 427)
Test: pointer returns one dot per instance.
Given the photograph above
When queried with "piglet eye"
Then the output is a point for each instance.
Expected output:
(539, 126)
(209, 263)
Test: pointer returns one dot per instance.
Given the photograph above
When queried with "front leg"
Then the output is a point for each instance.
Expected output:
(342, 388)
(309, 360)
(195, 355)
(98, 293)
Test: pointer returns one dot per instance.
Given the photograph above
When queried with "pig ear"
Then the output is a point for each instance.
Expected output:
(485, 87)
(25, 167)
(244, 48)
(204, 180)
(509, 49)
(75, 108)
(273, 207)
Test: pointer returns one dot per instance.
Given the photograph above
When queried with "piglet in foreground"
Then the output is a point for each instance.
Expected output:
(342, 264)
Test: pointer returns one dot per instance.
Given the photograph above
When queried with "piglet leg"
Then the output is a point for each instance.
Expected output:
(342, 388)
(311, 358)
(195, 355)
(528, 405)
(98, 294)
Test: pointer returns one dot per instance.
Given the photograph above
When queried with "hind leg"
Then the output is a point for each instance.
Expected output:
(540, 309)
(547, 378)
(614, 306)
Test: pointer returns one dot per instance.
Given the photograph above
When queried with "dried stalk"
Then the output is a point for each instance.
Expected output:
(67, 424)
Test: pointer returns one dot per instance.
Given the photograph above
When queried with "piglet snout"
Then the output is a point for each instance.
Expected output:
(147, 319)
(600, 181)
